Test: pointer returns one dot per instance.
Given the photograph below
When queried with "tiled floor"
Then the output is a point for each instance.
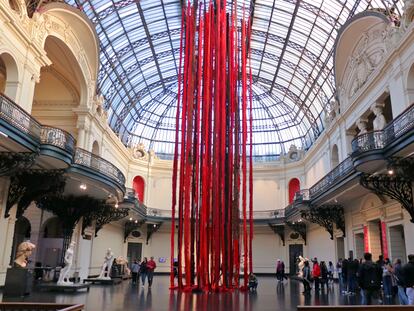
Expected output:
(124, 297)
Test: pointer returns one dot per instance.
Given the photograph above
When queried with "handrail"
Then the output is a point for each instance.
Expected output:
(341, 170)
(376, 140)
(88, 159)
(57, 137)
(18, 117)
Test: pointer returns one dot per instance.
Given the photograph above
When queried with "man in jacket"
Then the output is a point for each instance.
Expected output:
(399, 278)
(369, 279)
(408, 272)
(151, 265)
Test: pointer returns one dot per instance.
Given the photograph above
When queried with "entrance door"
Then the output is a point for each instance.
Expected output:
(134, 251)
(340, 248)
(397, 243)
(295, 250)
(359, 245)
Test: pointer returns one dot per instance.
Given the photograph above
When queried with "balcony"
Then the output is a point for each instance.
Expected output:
(55, 147)
(341, 171)
(371, 150)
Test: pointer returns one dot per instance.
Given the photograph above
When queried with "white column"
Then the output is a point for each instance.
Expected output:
(81, 138)
(400, 96)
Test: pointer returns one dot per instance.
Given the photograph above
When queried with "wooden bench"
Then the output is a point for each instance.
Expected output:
(356, 308)
(29, 306)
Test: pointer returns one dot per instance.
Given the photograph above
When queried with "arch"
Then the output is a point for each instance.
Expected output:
(52, 228)
(334, 156)
(410, 84)
(9, 75)
(138, 184)
(294, 186)
(22, 232)
(95, 148)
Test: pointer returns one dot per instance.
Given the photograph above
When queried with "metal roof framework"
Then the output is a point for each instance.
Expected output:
(291, 58)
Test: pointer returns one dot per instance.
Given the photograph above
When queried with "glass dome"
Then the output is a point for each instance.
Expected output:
(291, 58)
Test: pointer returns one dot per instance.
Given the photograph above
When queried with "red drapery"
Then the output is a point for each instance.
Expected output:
(212, 171)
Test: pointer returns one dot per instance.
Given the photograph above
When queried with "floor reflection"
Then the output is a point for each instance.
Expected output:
(270, 295)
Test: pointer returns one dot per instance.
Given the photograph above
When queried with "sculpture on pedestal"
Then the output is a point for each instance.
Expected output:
(63, 277)
(379, 121)
(107, 265)
(24, 250)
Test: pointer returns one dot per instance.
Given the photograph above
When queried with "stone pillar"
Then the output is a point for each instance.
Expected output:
(401, 96)
(25, 89)
(81, 138)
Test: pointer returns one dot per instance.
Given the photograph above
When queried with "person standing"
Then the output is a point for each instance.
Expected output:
(135, 271)
(399, 278)
(324, 275)
(345, 276)
(369, 279)
(306, 273)
(143, 270)
(408, 272)
(280, 270)
(316, 273)
(386, 278)
(151, 265)
(331, 271)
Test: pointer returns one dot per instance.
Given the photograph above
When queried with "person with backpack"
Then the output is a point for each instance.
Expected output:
(369, 279)
(143, 270)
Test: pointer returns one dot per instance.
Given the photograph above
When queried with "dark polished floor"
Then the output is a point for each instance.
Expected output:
(123, 297)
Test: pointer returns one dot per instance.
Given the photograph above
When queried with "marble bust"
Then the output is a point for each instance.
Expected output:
(379, 121)
(63, 277)
(24, 250)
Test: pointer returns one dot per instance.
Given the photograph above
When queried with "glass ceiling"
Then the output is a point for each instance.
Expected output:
(291, 58)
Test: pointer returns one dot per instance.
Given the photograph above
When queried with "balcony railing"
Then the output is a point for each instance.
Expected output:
(86, 158)
(57, 137)
(302, 195)
(19, 118)
(340, 171)
(377, 140)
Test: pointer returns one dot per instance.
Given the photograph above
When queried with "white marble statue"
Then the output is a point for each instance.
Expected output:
(362, 126)
(24, 250)
(63, 276)
(301, 264)
(107, 265)
(379, 121)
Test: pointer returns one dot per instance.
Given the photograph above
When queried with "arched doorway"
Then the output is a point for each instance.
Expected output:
(139, 186)
(9, 77)
(51, 242)
(294, 186)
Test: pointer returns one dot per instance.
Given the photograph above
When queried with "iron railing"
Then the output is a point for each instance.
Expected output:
(88, 159)
(57, 137)
(340, 171)
(19, 118)
(377, 140)
(302, 195)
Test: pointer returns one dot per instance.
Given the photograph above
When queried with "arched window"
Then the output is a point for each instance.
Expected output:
(139, 186)
(334, 156)
(8, 75)
(294, 186)
(52, 228)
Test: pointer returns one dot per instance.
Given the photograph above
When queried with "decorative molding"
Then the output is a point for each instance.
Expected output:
(396, 187)
(33, 185)
(327, 216)
(131, 226)
(280, 231)
(12, 162)
(299, 227)
(151, 229)
(102, 216)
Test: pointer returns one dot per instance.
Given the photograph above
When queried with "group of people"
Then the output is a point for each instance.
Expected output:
(144, 270)
(380, 280)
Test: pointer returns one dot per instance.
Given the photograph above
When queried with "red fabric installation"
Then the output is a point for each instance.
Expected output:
(213, 142)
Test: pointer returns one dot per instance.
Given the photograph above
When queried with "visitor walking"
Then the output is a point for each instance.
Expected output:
(353, 266)
(135, 271)
(280, 270)
(252, 282)
(324, 275)
(151, 265)
(386, 278)
(316, 273)
(369, 279)
(143, 270)
(345, 276)
(331, 271)
(408, 272)
(399, 278)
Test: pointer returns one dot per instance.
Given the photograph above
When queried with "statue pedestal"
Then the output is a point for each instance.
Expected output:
(19, 282)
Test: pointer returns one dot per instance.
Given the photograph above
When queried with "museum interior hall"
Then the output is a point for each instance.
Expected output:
(206, 155)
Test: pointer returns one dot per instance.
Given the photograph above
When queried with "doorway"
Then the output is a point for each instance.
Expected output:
(397, 243)
(134, 251)
(359, 245)
(295, 250)
(340, 248)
